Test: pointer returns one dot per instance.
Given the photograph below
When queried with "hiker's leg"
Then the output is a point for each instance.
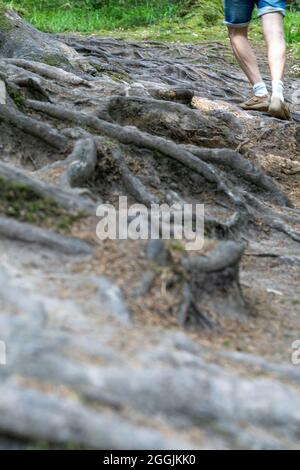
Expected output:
(274, 36)
(272, 20)
(238, 15)
(244, 53)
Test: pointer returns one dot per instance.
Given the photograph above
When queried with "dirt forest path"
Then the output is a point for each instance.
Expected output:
(137, 344)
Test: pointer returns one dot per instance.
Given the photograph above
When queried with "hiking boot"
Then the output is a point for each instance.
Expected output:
(257, 103)
(279, 109)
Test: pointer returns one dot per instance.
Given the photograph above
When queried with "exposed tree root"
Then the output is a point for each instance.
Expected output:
(10, 228)
(227, 228)
(18, 39)
(271, 218)
(64, 198)
(49, 71)
(290, 260)
(31, 126)
(136, 133)
(214, 286)
(32, 84)
(105, 118)
(132, 135)
(132, 184)
(156, 254)
(172, 120)
(69, 423)
(244, 169)
(81, 163)
(182, 154)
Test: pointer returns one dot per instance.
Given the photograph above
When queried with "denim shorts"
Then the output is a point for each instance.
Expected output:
(238, 13)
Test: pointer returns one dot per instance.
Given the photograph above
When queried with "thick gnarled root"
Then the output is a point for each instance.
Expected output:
(213, 290)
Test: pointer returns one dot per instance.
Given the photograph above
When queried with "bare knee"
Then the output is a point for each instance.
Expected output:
(273, 28)
(274, 34)
(237, 34)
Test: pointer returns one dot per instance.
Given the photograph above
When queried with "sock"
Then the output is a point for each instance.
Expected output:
(260, 89)
(277, 89)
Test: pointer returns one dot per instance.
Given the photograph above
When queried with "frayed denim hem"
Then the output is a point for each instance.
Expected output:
(235, 25)
(265, 10)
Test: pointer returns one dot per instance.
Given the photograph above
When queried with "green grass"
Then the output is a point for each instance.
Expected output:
(170, 20)
(92, 16)
(4, 22)
(292, 31)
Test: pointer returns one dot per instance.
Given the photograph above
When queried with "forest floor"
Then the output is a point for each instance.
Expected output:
(92, 364)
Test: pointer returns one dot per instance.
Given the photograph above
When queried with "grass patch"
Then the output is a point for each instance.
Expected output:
(93, 16)
(4, 21)
(292, 31)
(16, 96)
(164, 20)
(21, 202)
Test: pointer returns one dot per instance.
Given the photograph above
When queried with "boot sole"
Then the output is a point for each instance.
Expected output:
(279, 109)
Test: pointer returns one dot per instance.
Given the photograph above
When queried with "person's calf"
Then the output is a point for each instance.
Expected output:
(247, 60)
(244, 54)
(274, 36)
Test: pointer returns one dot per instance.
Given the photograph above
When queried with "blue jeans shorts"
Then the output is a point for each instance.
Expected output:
(238, 13)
